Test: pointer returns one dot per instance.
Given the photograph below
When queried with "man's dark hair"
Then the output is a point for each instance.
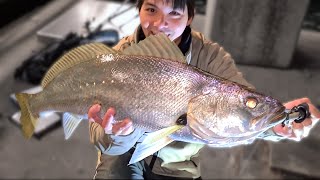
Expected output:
(180, 4)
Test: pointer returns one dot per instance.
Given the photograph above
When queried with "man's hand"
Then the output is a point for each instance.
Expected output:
(299, 130)
(123, 127)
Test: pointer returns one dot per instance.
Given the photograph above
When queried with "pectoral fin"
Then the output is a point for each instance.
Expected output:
(70, 122)
(153, 143)
(156, 136)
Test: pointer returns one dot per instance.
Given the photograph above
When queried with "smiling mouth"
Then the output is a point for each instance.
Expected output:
(152, 33)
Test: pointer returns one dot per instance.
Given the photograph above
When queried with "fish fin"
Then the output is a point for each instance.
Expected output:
(28, 120)
(156, 136)
(144, 150)
(77, 55)
(70, 122)
(156, 46)
(154, 142)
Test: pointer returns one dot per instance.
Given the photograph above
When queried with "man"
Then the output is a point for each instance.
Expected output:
(173, 17)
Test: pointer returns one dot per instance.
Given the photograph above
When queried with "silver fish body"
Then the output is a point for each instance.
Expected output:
(154, 93)
(150, 83)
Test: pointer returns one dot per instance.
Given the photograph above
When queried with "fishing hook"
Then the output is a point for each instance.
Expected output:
(297, 114)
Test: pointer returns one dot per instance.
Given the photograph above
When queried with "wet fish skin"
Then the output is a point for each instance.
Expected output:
(154, 92)
(223, 111)
(155, 98)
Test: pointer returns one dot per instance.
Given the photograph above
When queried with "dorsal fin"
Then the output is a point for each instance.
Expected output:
(77, 55)
(156, 46)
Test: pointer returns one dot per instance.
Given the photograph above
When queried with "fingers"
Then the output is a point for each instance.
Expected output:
(297, 125)
(291, 104)
(307, 126)
(287, 132)
(301, 130)
(297, 134)
(314, 120)
(108, 120)
(306, 130)
(122, 128)
(306, 122)
(314, 111)
(93, 113)
(282, 131)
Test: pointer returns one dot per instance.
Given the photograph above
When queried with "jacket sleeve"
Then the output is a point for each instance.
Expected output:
(112, 144)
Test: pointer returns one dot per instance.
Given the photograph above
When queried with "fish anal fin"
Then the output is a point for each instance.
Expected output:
(70, 122)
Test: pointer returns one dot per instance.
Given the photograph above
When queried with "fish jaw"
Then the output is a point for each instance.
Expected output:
(198, 129)
(272, 119)
(219, 118)
(234, 141)
(202, 135)
(278, 116)
(226, 115)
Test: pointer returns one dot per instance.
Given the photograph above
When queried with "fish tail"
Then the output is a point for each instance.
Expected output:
(27, 119)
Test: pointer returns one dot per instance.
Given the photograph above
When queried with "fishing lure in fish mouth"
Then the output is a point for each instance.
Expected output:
(297, 114)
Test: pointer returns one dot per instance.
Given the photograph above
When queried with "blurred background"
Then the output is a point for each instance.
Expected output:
(275, 43)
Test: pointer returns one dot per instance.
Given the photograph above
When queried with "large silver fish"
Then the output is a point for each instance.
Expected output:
(151, 83)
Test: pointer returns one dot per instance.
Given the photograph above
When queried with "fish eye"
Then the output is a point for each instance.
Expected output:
(251, 102)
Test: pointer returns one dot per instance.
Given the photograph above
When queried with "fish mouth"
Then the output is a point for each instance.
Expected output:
(271, 120)
(278, 116)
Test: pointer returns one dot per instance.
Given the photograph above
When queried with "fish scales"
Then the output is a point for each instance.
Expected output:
(148, 90)
(154, 92)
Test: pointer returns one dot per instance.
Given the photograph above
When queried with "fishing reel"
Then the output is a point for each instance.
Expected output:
(297, 114)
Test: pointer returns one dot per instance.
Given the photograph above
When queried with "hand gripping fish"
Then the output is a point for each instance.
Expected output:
(151, 83)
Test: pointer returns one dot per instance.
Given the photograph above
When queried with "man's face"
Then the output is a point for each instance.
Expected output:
(159, 16)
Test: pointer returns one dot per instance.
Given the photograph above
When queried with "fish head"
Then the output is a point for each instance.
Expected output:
(232, 111)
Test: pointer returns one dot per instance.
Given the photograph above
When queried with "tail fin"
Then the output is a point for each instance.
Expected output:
(27, 120)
